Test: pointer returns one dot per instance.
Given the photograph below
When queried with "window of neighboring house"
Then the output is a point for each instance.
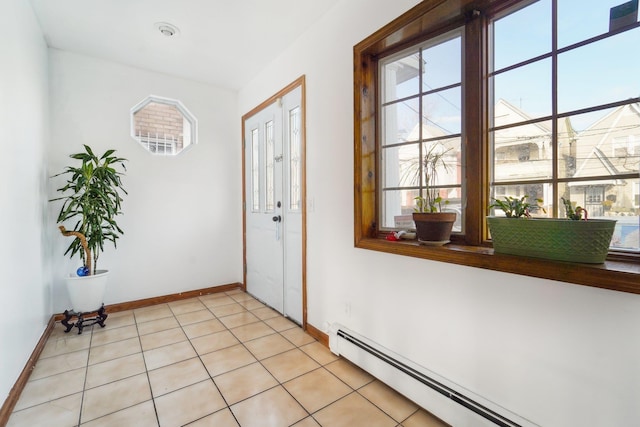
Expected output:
(524, 110)
(163, 126)
(627, 145)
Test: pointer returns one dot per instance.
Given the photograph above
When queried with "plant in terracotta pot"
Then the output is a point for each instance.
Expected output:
(92, 197)
(433, 227)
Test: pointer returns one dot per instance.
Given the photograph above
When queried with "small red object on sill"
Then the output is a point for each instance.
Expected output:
(393, 237)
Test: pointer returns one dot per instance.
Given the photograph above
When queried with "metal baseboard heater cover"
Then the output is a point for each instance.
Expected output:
(445, 399)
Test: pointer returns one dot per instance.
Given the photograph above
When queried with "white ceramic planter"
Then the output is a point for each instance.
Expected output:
(87, 292)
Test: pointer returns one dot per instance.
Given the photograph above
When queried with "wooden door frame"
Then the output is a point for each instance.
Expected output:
(299, 82)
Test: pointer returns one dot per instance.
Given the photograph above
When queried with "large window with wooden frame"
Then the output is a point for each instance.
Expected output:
(563, 102)
(537, 98)
(421, 113)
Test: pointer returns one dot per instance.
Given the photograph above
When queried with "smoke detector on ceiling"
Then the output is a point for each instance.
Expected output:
(166, 29)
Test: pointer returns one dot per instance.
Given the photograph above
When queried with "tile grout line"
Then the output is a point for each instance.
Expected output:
(282, 384)
(111, 382)
(377, 406)
(146, 370)
(136, 324)
(245, 347)
(278, 383)
(63, 396)
(84, 383)
(224, 399)
(246, 301)
(198, 355)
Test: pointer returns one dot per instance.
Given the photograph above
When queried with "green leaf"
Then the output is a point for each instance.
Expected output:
(92, 196)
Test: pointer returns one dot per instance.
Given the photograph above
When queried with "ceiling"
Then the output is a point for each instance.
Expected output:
(221, 42)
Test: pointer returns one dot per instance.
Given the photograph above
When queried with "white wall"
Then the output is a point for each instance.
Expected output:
(557, 354)
(182, 218)
(25, 301)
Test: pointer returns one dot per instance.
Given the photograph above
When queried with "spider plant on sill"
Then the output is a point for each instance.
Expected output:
(433, 226)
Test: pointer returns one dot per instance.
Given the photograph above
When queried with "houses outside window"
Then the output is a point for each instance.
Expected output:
(580, 125)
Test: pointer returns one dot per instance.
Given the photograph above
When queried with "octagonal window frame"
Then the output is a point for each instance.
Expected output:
(161, 142)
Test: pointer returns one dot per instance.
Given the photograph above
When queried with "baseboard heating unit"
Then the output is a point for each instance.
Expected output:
(443, 398)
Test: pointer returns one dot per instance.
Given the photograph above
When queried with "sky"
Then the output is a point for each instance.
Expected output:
(526, 34)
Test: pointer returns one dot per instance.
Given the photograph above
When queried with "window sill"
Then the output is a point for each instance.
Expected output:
(622, 276)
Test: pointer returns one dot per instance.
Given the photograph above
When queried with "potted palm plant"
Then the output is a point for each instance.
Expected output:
(433, 227)
(574, 238)
(92, 197)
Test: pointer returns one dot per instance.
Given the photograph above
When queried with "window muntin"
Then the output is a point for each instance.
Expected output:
(532, 100)
(400, 119)
(442, 65)
(401, 77)
(441, 112)
(520, 153)
(163, 126)
(525, 34)
(557, 147)
(414, 121)
(581, 69)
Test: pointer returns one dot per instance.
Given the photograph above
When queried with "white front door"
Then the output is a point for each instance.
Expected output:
(274, 205)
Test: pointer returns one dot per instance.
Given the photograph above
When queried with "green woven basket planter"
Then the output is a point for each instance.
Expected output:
(552, 238)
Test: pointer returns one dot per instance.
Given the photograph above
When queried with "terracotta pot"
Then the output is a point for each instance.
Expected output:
(434, 228)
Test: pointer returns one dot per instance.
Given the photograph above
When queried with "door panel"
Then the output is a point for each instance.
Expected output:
(264, 243)
(274, 206)
(292, 120)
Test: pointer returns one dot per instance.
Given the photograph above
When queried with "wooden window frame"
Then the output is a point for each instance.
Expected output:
(427, 19)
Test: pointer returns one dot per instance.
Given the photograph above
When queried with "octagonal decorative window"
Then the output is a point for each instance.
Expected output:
(163, 126)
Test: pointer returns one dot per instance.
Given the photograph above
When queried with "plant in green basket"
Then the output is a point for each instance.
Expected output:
(514, 207)
(573, 214)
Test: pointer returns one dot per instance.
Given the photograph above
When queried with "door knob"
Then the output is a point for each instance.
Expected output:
(277, 218)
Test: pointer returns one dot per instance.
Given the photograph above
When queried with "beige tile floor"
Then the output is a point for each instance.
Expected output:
(217, 360)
